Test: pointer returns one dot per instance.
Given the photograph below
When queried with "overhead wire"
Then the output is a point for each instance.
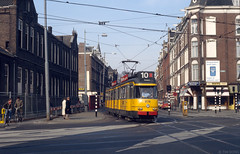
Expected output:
(113, 8)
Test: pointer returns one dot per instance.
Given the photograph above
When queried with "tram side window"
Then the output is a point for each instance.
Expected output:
(131, 92)
(116, 94)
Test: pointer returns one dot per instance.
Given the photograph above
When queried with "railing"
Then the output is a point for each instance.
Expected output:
(34, 105)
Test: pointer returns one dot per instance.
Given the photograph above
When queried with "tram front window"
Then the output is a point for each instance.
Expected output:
(146, 92)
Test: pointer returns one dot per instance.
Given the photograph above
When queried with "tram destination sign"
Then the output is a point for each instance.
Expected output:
(146, 76)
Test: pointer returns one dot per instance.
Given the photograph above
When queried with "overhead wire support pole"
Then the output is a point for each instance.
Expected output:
(46, 63)
(85, 73)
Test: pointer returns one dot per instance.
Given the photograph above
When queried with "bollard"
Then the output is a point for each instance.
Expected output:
(96, 105)
(3, 113)
(169, 105)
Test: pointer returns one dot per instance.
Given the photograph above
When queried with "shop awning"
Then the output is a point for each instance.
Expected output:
(186, 92)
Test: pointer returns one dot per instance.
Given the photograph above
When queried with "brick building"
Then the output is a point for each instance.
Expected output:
(204, 55)
(22, 56)
(97, 79)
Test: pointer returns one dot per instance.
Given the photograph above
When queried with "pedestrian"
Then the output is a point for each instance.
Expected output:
(19, 108)
(68, 107)
(64, 108)
(8, 107)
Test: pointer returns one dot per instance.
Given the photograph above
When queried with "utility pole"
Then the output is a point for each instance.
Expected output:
(46, 63)
(85, 72)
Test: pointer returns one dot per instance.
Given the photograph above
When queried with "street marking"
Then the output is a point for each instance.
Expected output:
(18, 137)
(175, 137)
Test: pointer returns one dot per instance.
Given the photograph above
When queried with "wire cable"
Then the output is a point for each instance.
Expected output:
(113, 8)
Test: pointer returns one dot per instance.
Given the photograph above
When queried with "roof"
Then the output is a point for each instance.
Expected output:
(6, 2)
(5, 52)
(211, 3)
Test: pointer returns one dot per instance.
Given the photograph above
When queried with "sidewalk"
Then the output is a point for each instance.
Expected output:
(73, 118)
(81, 117)
(201, 113)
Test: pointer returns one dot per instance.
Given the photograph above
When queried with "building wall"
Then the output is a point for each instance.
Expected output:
(25, 36)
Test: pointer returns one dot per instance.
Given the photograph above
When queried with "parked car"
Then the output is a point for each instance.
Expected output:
(165, 105)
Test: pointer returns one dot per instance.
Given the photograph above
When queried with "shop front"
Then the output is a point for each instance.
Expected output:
(217, 95)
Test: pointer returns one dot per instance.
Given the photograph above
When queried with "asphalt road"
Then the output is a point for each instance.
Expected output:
(170, 134)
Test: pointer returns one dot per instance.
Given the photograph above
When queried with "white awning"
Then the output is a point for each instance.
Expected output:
(185, 93)
(212, 93)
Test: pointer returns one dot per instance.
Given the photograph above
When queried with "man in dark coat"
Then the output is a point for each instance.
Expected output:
(68, 107)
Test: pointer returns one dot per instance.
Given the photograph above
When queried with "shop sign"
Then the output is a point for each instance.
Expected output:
(81, 89)
(213, 71)
(194, 83)
(216, 83)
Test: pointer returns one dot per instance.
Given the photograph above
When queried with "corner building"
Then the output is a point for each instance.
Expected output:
(204, 55)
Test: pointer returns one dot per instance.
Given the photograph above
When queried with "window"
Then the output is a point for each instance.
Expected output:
(238, 70)
(26, 81)
(41, 47)
(38, 42)
(19, 80)
(41, 85)
(6, 77)
(146, 92)
(32, 39)
(26, 44)
(194, 48)
(238, 48)
(211, 48)
(210, 25)
(195, 71)
(194, 27)
(20, 33)
(238, 25)
(236, 2)
(31, 81)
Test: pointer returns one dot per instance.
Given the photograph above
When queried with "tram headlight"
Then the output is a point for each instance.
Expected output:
(148, 106)
(140, 109)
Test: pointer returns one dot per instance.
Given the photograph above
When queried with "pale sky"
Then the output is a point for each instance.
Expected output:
(129, 43)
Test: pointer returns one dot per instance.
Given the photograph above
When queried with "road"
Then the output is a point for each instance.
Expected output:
(170, 134)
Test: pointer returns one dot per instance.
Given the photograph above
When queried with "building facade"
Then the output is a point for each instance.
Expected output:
(96, 72)
(204, 55)
(22, 41)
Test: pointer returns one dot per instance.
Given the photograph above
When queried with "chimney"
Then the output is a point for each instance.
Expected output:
(50, 29)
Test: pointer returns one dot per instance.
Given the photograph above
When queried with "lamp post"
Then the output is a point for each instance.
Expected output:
(46, 63)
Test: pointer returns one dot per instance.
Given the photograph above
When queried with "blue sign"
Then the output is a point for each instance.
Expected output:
(213, 71)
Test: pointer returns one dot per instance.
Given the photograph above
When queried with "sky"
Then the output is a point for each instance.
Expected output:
(130, 34)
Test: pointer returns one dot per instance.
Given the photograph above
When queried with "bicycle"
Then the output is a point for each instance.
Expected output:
(18, 115)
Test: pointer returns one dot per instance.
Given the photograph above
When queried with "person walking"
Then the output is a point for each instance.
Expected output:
(18, 109)
(64, 108)
(8, 113)
(68, 107)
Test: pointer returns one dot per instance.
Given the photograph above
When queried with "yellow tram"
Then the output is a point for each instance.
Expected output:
(134, 97)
